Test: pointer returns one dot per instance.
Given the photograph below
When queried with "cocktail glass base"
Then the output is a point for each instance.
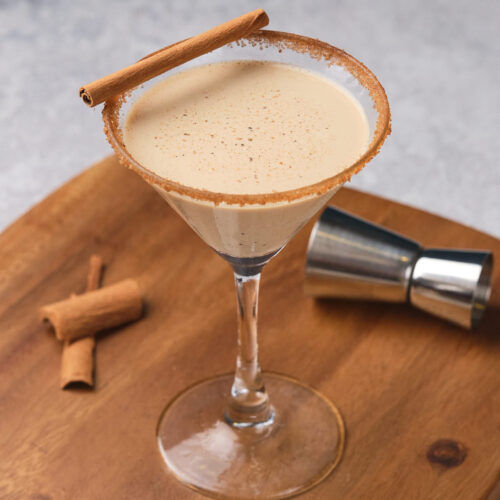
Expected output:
(292, 452)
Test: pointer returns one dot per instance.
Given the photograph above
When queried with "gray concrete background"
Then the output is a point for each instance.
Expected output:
(439, 62)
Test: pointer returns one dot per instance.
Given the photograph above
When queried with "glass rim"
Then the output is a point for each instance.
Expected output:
(316, 49)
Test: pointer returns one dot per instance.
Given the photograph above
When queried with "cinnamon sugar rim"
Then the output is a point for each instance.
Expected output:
(316, 49)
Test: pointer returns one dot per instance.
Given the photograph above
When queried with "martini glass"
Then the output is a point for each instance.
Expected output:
(254, 435)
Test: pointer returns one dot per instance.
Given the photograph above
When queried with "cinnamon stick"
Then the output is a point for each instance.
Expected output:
(95, 273)
(94, 311)
(169, 57)
(77, 363)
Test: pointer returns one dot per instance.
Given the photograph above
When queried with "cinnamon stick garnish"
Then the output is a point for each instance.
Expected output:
(77, 363)
(169, 57)
(94, 311)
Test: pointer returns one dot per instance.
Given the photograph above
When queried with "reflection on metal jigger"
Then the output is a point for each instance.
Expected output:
(351, 258)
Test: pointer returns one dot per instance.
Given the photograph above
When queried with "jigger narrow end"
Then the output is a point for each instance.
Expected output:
(483, 291)
(453, 284)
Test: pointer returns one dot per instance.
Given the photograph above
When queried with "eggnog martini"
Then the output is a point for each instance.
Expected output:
(246, 127)
(247, 143)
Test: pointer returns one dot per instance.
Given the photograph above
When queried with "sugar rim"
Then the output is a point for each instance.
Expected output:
(316, 49)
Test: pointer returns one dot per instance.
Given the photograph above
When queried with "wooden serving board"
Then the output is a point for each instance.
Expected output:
(402, 379)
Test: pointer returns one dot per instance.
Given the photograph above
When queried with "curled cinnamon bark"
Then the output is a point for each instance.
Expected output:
(77, 363)
(94, 311)
(169, 57)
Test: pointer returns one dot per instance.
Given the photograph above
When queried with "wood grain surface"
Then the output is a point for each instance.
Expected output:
(420, 397)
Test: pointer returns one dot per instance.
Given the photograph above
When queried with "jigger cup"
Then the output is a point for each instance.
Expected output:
(351, 258)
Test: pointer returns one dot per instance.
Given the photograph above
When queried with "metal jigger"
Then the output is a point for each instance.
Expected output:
(351, 258)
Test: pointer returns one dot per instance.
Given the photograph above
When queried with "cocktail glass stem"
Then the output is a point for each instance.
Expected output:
(248, 404)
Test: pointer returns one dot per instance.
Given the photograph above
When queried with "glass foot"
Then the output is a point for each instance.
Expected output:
(296, 451)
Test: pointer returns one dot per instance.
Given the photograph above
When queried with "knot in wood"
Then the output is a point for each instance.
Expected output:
(446, 453)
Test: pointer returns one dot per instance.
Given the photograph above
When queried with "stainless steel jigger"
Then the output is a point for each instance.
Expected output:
(351, 258)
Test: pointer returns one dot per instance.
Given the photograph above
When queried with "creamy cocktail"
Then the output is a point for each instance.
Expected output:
(246, 127)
